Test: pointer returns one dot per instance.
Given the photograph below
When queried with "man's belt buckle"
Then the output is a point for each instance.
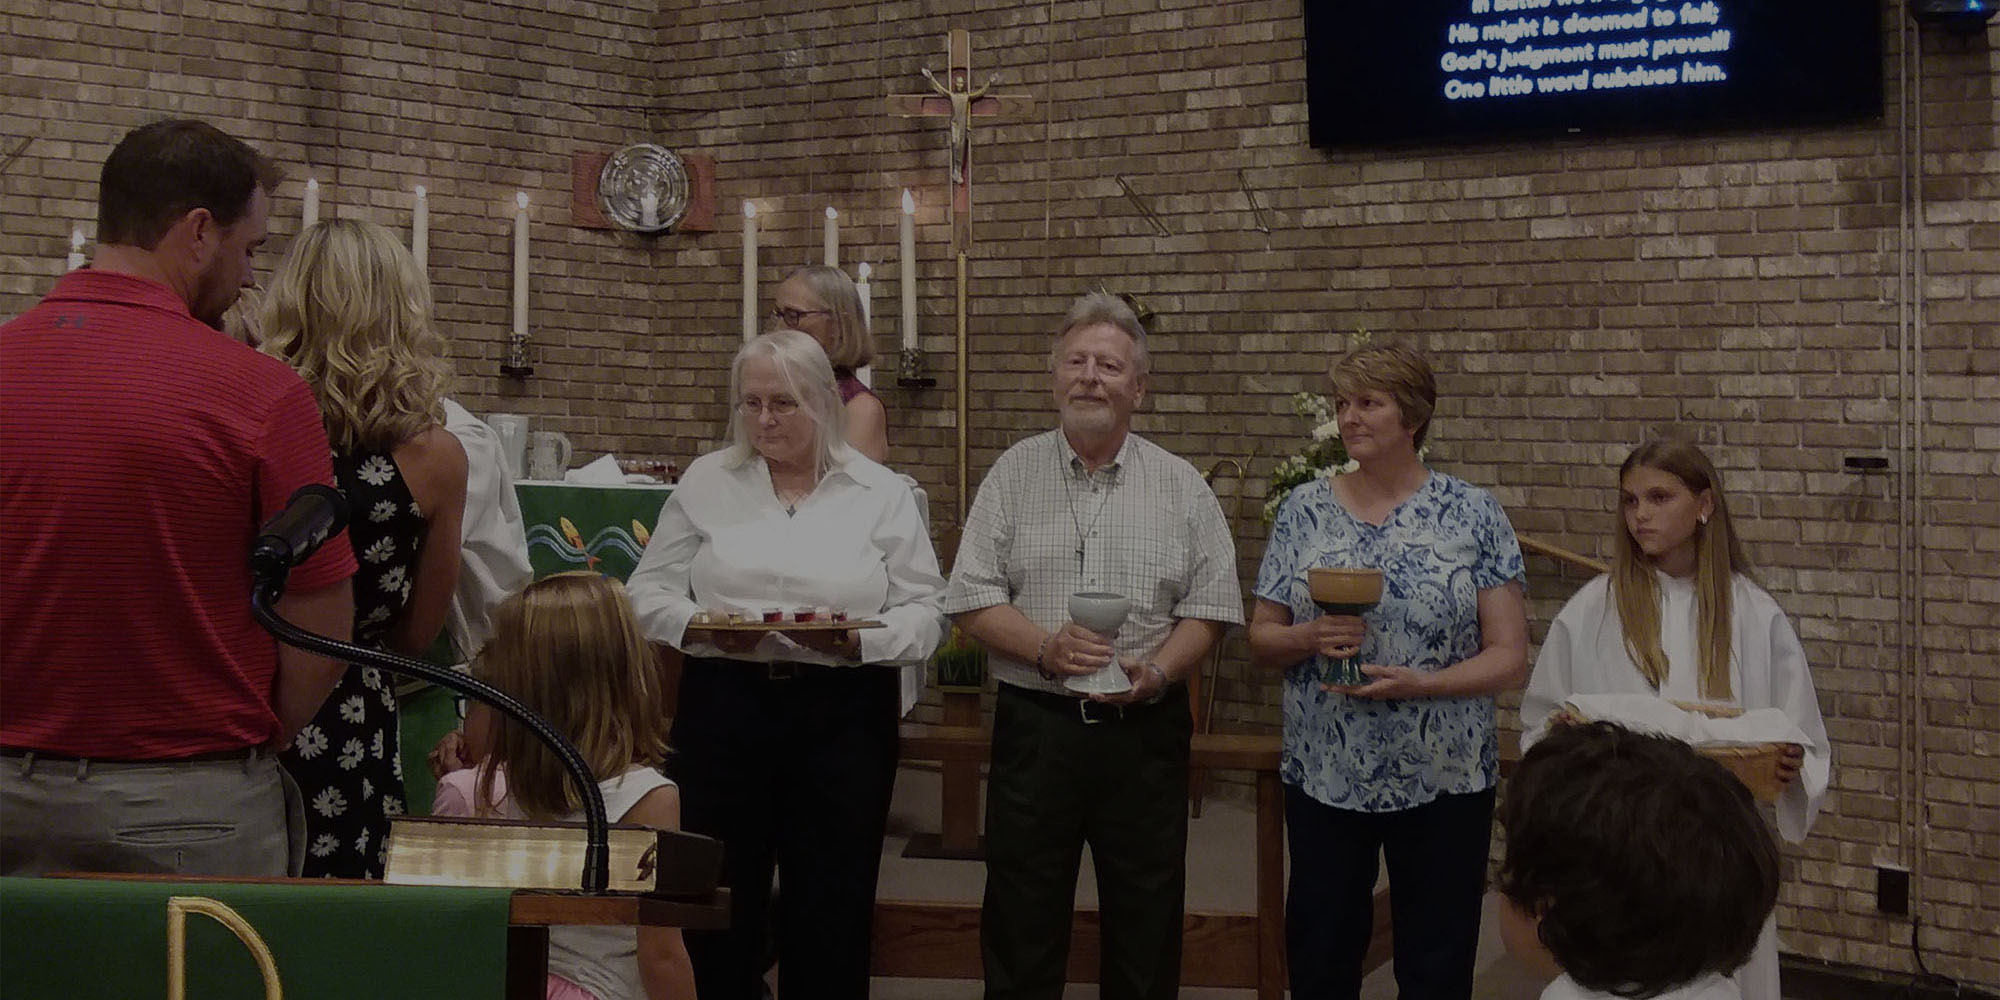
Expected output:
(782, 670)
(1094, 712)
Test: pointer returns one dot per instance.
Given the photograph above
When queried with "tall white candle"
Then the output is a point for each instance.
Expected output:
(909, 270)
(649, 210)
(749, 270)
(76, 257)
(832, 237)
(867, 293)
(520, 263)
(310, 217)
(420, 229)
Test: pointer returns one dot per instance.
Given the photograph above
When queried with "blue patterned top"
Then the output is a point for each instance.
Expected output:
(1436, 551)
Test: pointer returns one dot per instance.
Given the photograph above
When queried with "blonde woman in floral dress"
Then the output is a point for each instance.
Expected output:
(350, 312)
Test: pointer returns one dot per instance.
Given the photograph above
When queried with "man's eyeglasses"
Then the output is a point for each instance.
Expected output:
(791, 317)
(780, 407)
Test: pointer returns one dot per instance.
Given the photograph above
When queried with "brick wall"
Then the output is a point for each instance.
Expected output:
(1787, 298)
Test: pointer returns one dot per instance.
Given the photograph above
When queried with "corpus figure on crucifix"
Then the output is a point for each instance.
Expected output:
(961, 98)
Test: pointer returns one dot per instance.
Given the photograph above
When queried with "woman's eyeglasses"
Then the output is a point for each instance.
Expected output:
(780, 407)
(791, 317)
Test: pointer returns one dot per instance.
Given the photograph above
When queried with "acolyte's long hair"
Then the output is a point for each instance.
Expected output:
(350, 312)
(1718, 559)
(570, 649)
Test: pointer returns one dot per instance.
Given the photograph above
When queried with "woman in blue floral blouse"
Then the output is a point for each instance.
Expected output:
(1403, 766)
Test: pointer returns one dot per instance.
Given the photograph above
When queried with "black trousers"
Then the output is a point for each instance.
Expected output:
(1059, 781)
(1437, 880)
(795, 773)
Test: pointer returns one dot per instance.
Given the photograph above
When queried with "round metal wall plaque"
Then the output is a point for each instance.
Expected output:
(640, 178)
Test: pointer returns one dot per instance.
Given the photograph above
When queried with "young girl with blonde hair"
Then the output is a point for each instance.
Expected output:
(1679, 616)
(569, 648)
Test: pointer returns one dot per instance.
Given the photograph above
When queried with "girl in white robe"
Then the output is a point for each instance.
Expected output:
(1716, 637)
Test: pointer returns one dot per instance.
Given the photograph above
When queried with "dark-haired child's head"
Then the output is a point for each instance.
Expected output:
(1641, 864)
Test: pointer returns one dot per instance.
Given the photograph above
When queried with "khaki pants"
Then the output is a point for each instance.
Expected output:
(236, 817)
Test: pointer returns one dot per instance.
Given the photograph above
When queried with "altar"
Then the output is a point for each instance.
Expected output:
(573, 526)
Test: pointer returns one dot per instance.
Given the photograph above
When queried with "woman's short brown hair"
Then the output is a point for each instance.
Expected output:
(1399, 370)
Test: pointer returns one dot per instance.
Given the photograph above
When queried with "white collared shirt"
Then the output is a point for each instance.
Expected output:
(493, 550)
(855, 544)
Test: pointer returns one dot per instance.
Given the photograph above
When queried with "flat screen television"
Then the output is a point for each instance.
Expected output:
(1389, 72)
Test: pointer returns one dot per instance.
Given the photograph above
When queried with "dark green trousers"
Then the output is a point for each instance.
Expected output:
(1118, 782)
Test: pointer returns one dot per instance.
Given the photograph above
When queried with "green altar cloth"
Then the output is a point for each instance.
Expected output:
(79, 939)
(574, 526)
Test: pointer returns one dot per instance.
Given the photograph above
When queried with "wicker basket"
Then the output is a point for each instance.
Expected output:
(1756, 765)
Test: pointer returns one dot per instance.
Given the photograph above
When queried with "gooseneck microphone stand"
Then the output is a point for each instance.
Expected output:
(314, 514)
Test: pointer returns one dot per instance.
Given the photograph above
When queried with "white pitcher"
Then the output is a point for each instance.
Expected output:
(548, 455)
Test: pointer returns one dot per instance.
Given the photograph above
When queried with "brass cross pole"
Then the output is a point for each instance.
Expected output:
(959, 101)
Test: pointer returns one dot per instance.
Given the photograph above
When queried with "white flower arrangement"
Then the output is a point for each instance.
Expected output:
(1322, 453)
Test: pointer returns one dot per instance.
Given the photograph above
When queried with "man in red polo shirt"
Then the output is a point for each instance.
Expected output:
(141, 706)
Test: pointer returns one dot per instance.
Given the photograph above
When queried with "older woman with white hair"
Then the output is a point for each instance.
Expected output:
(785, 740)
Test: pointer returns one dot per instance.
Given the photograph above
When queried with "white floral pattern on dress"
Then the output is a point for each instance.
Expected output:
(349, 777)
(351, 753)
(325, 844)
(377, 470)
(310, 742)
(329, 802)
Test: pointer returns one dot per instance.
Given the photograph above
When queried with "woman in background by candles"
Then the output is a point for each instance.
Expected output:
(824, 303)
(349, 311)
(1680, 617)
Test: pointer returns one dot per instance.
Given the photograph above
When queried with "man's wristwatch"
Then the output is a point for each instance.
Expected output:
(1157, 672)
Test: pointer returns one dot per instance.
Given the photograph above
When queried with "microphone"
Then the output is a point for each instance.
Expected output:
(315, 513)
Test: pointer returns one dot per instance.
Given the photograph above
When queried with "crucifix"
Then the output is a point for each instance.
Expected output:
(956, 99)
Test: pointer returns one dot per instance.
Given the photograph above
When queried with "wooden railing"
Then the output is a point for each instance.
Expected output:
(1562, 555)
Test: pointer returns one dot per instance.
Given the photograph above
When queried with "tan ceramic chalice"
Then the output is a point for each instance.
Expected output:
(1344, 591)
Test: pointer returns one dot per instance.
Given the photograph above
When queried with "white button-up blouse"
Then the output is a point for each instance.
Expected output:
(855, 544)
